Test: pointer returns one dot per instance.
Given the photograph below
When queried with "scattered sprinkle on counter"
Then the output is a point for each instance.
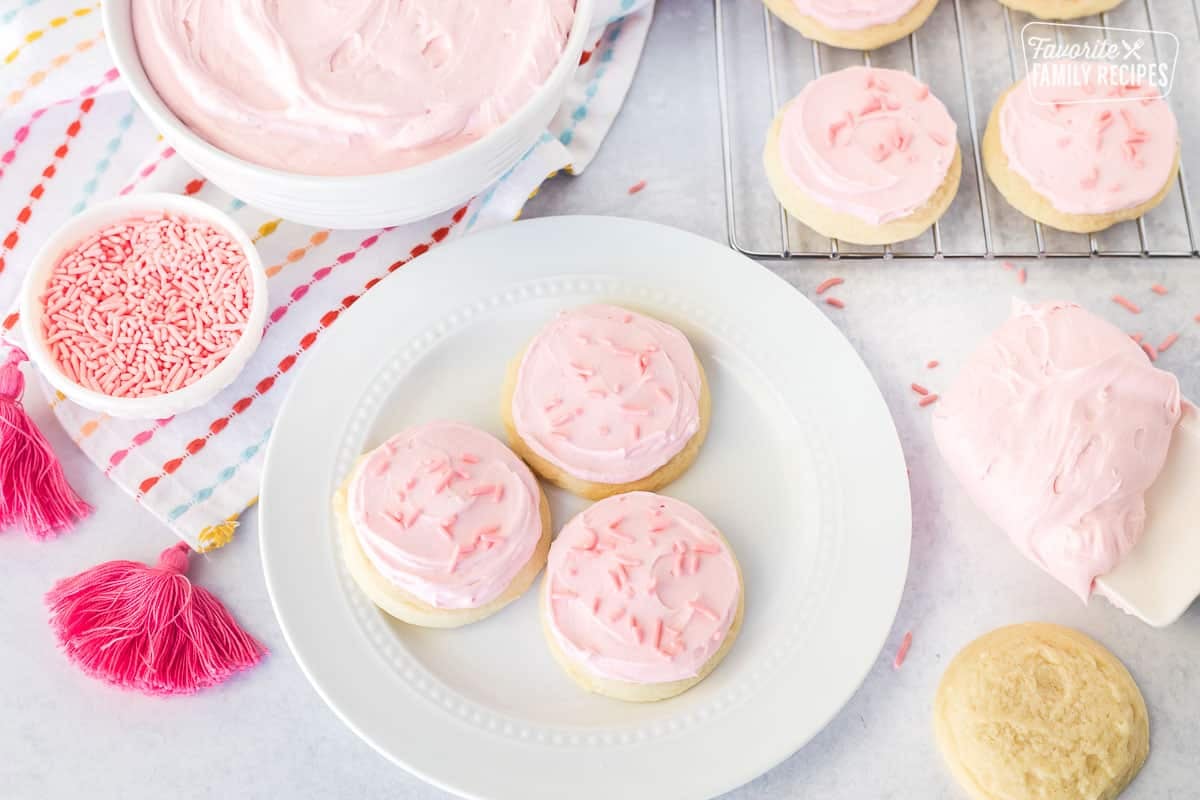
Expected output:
(1126, 304)
(927, 400)
(833, 301)
(828, 284)
(932, 364)
(1158, 289)
(902, 651)
(637, 187)
(919, 389)
(1166, 343)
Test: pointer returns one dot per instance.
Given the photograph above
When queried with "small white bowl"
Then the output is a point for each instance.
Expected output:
(100, 216)
(359, 201)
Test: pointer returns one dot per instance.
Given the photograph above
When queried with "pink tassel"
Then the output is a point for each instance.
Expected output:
(33, 489)
(149, 628)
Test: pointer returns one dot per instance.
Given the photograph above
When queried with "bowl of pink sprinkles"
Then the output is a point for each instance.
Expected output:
(145, 306)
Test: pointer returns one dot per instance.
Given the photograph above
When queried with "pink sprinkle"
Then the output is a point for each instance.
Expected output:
(589, 543)
(637, 187)
(919, 389)
(931, 365)
(700, 608)
(499, 492)
(938, 139)
(470, 458)
(1167, 342)
(490, 530)
(1126, 304)
(664, 394)
(1006, 264)
(147, 305)
(923, 92)
(596, 605)
(482, 490)
(1021, 275)
(1158, 289)
(1149, 351)
(928, 400)
(828, 284)
(612, 525)
(833, 301)
(656, 639)
(902, 651)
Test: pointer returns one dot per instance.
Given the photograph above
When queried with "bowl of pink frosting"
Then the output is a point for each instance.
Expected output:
(145, 306)
(349, 114)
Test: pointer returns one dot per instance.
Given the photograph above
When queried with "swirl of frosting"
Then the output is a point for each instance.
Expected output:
(1090, 148)
(853, 15)
(869, 142)
(606, 394)
(323, 87)
(446, 513)
(641, 587)
(1056, 427)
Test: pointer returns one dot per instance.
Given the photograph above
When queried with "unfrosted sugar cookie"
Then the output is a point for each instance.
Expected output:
(642, 597)
(1061, 9)
(605, 400)
(854, 24)
(1040, 712)
(442, 525)
(1082, 157)
(864, 155)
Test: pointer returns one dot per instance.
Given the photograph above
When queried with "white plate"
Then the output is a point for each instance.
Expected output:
(802, 471)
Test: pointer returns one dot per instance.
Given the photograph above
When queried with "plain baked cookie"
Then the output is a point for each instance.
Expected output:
(442, 525)
(605, 400)
(864, 155)
(1040, 712)
(642, 597)
(1082, 166)
(868, 26)
(1061, 9)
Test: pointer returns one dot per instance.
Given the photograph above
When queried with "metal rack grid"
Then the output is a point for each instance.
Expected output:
(980, 223)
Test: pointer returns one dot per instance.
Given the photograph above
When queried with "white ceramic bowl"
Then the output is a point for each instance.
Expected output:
(361, 201)
(79, 228)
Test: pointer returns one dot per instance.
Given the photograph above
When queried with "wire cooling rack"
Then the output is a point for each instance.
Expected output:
(969, 51)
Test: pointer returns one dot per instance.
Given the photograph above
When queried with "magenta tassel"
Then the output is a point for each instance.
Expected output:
(33, 489)
(149, 628)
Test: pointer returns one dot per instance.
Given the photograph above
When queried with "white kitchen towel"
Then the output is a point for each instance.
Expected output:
(72, 136)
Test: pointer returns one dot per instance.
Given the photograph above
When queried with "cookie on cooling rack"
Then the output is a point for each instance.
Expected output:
(1082, 157)
(864, 155)
(442, 525)
(1061, 9)
(605, 400)
(642, 597)
(861, 25)
(1040, 711)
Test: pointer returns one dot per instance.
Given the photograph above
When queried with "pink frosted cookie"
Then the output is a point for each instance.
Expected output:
(642, 597)
(854, 24)
(864, 155)
(1056, 427)
(605, 400)
(1084, 156)
(442, 525)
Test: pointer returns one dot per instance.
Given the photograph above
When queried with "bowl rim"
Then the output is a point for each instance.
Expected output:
(129, 63)
(168, 403)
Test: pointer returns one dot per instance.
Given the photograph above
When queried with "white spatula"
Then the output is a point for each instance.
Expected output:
(1160, 577)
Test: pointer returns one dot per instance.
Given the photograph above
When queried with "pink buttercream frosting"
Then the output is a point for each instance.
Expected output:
(869, 142)
(1089, 148)
(1056, 427)
(607, 394)
(852, 15)
(347, 88)
(641, 587)
(446, 513)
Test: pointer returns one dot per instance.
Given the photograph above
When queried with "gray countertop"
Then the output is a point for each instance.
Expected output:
(267, 734)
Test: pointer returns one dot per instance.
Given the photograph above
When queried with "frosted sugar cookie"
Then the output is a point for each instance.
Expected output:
(864, 155)
(605, 400)
(442, 525)
(642, 597)
(1061, 9)
(1082, 157)
(854, 24)
(1040, 712)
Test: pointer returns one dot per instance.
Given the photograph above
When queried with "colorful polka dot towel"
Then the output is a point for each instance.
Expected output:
(71, 136)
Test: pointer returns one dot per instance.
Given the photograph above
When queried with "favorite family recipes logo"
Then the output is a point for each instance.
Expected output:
(1069, 64)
